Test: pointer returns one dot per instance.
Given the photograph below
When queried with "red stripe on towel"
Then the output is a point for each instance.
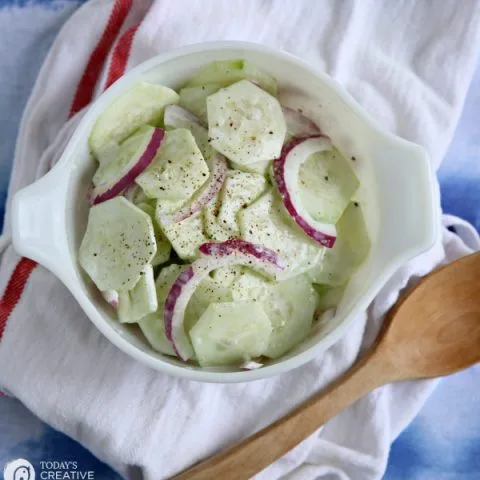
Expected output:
(120, 57)
(86, 86)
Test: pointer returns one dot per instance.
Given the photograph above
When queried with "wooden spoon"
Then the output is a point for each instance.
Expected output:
(433, 331)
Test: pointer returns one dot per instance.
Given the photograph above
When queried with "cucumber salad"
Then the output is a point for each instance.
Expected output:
(223, 221)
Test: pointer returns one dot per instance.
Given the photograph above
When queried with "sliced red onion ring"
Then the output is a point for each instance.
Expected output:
(111, 296)
(286, 170)
(218, 172)
(179, 117)
(217, 164)
(217, 255)
(236, 245)
(127, 175)
(300, 113)
(298, 124)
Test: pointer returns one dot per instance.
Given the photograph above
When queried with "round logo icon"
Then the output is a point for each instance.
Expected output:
(19, 469)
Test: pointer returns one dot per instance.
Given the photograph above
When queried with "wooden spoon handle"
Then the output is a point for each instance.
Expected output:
(244, 460)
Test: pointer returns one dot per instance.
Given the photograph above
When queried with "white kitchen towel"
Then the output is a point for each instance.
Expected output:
(409, 63)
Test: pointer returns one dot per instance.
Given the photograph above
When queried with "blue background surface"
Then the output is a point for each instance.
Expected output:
(443, 442)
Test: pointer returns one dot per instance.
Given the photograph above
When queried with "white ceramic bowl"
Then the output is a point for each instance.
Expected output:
(398, 194)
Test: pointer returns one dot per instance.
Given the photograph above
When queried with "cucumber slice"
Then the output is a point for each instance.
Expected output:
(163, 245)
(166, 207)
(129, 154)
(142, 104)
(214, 255)
(350, 250)
(250, 286)
(153, 326)
(135, 304)
(176, 116)
(135, 195)
(213, 228)
(265, 223)
(231, 332)
(194, 99)
(245, 123)
(179, 118)
(290, 306)
(238, 192)
(118, 244)
(178, 169)
(227, 72)
(261, 168)
(133, 157)
(200, 134)
(329, 297)
(220, 215)
(326, 185)
(185, 236)
(216, 288)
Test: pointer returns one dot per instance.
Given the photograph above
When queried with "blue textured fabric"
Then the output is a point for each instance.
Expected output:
(442, 443)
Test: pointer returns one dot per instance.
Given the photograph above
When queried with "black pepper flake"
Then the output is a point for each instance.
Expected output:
(169, 161)
(231, 124)
(326, 178)
(355, 203)
(270, 132)
(94, 254)
(353, 159)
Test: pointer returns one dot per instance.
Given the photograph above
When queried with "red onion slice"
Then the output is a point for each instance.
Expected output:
(218, 172)
(301, 113)
(178, 117)
(286, 170)
(298, 124)
(127, 175)
(111, 296)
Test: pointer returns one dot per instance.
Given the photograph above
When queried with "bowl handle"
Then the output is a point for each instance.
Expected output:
(39, 222)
